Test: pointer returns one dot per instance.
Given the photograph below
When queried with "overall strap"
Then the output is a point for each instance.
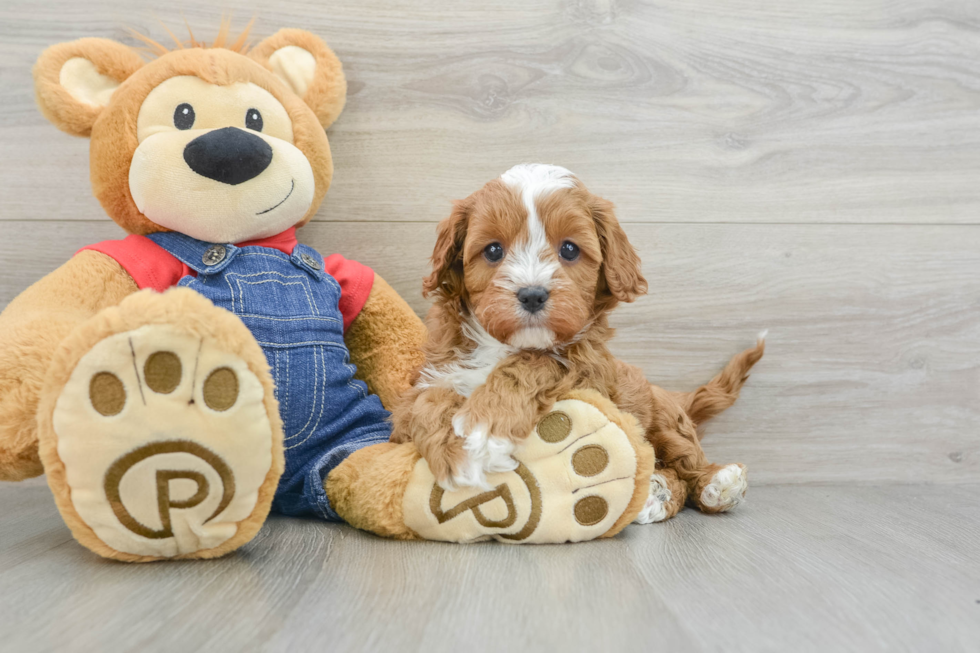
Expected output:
(202, 257)
(307, 258)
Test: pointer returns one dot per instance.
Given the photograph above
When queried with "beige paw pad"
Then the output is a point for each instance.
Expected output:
(575, 478)
(726, 489)
(165, 441)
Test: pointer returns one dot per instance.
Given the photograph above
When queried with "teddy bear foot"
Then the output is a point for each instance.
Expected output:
(583, 473)
(158, 431)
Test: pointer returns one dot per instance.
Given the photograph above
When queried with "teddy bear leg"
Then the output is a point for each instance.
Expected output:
(583, 473)
(367, 490)
(159, 430)
(31, 328)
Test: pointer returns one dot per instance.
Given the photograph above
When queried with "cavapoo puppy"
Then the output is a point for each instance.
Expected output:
(525, 272)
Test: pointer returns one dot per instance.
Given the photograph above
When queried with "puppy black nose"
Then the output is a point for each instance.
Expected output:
(533, 298)
(229, 155)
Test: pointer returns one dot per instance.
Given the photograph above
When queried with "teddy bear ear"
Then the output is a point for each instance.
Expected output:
(74, 81)
(308, 67)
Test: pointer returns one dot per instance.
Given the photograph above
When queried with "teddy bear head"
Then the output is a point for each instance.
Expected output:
(210, 142)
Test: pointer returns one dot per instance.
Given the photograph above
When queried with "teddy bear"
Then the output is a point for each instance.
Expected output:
(177, 384)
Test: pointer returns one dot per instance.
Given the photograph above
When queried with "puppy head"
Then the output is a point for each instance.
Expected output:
(535, 257)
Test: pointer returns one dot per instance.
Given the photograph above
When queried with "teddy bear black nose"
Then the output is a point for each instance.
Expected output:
(229, 155)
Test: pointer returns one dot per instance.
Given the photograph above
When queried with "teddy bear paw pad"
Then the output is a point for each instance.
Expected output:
(575, 477)
(165, 440)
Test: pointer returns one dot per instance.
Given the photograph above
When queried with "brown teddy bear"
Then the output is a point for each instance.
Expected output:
(179, 383)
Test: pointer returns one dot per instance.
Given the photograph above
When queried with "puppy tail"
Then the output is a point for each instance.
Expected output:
(722, 391)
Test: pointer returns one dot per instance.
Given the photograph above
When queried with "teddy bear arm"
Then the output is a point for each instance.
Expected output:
(31, 328)
(385, 343)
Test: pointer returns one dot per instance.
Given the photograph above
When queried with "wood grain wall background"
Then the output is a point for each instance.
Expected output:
(810, 168)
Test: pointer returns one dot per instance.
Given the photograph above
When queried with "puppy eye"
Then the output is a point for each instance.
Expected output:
(493, 252)
(568, 251)
(253, 120)
(184, 116)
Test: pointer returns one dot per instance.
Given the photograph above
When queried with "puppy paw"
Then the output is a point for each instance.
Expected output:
(467, 472)
(655, 507)
(726, 489)
(484, 454)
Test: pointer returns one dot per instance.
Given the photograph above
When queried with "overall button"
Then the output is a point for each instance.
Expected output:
(214, 255)
(310, 261)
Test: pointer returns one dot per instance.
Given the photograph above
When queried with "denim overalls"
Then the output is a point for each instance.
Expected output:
(291, 307)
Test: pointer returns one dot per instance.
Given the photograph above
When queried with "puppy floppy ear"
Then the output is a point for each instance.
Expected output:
(620, 263)
(309, 68)
(74, 81)
(447, 256)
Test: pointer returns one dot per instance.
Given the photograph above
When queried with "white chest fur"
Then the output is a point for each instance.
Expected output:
(472, 368)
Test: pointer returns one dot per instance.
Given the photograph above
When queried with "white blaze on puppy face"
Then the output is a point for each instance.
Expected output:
(532, 260)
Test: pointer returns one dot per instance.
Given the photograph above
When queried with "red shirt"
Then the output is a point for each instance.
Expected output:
(151, 266)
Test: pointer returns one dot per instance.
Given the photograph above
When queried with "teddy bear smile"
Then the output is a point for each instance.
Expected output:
(292, 186)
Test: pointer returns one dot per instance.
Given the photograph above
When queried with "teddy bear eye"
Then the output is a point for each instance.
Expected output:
(253, 120)
(184, 116)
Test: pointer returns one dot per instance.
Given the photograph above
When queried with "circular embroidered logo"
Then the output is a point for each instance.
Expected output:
(164, 503)
(500, 492)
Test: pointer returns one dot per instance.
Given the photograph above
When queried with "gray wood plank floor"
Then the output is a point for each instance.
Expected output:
(832, 568)
(810, 168)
